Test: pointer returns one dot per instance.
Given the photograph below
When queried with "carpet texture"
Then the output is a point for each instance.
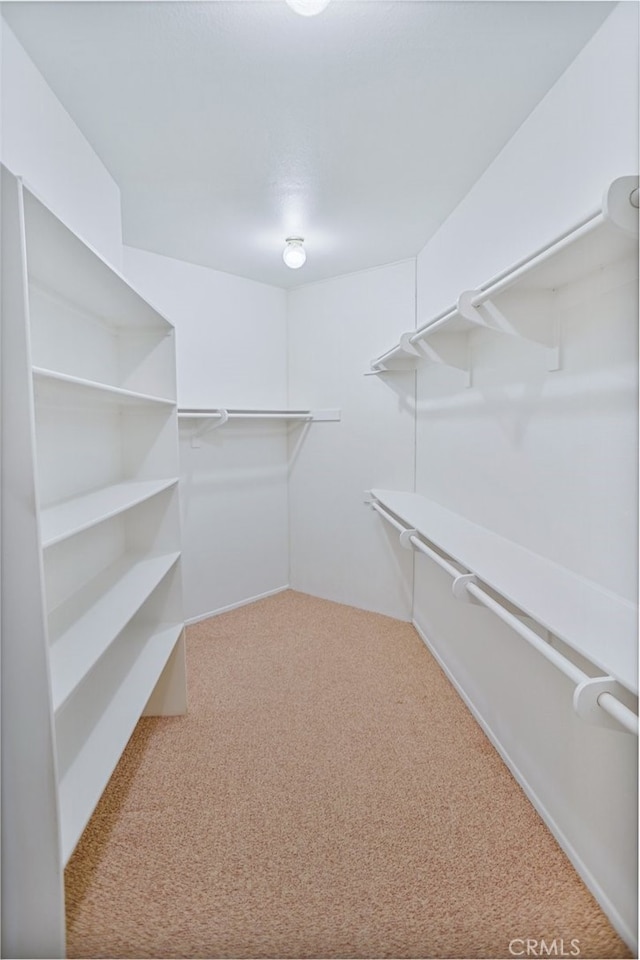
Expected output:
(328, 795)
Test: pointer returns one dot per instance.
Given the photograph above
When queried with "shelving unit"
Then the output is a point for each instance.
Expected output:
(607, 236)
(592, 621)
(92, 598)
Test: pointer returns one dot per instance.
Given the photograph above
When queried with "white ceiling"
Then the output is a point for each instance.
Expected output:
(230, 125)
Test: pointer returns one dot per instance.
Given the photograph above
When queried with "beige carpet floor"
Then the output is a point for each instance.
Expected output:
(328, 795)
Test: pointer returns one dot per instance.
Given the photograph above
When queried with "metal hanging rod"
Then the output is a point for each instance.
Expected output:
(592, 695)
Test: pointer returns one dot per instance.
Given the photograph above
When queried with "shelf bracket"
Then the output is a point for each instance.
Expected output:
(459, 587)
(488, 316)
(448, 350)
(620, 205)
(406, 347)
(585, 701)
(217, 421)
(405, 538)
(401, 359)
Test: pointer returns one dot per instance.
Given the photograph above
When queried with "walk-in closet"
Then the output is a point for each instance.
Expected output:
(319, 478)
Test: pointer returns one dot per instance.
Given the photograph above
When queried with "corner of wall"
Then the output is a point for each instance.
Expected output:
(43, 145)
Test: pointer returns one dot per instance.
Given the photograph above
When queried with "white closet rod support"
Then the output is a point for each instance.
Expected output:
(465, 586)
(214, 418)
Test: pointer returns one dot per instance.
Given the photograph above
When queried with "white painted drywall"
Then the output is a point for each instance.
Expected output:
(546, 459)
(339, 550)
(230, 332)
(231, 352)
(42, 144)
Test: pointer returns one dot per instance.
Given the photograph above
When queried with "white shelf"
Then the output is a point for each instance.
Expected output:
(604, 238)
(82, 628)
(590, 619)
(55, 387)
(144, 658)
(72, 516)
(64, 265)
(138, 359)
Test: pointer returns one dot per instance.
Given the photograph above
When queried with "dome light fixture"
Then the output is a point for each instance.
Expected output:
(294, 253)
(307, 8)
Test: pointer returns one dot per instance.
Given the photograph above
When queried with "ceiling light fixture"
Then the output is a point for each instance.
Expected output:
(307, 8)
(294, 253)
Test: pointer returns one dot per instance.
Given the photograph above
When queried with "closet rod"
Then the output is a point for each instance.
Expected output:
(269, 415)
(440, 321)
(506, 277)
(609, 703)
(410, 536)
(423, 548)
(237, 414)
(619, 712)
(394, 352)
(501, 281)
(199, 414)
(387, 516)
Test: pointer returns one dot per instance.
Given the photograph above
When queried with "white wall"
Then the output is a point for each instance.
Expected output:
(551, 173)
(230, 332)
(340, 549)
(41, 143)
(231, 352)
(546, 459)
